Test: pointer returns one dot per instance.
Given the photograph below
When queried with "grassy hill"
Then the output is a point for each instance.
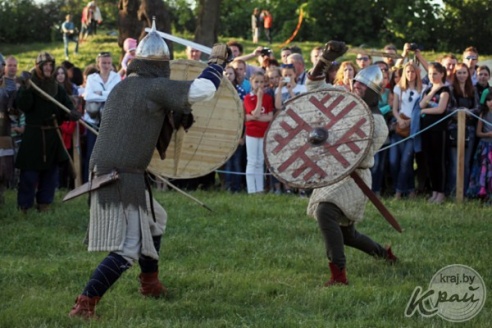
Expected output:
(88, 50)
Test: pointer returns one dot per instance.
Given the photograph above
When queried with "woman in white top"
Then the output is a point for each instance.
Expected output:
(97, 89)
(405, 95)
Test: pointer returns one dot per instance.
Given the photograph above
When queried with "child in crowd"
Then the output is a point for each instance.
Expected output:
(481, 175)
(288, 88)
(130, 46)
(258, 108)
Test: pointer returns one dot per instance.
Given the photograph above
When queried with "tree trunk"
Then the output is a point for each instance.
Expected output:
(207, 25)
(128, 24)
(160, 10)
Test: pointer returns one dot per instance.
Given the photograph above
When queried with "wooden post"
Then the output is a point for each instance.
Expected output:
(460, 160)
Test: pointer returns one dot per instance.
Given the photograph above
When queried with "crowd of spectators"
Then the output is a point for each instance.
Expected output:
(419, 156)
(419, 104)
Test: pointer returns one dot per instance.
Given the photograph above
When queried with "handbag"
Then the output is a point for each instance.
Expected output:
(405, 131)
(94, 109)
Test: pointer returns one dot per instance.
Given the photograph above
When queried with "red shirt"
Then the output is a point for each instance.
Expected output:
(255, 128)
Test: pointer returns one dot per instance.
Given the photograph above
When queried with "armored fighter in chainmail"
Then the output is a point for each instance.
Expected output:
(339, 206)
(140, 113)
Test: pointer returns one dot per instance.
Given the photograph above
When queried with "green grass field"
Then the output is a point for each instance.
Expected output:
(255, 261)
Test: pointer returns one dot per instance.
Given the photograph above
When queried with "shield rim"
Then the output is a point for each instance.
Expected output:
(354, 165)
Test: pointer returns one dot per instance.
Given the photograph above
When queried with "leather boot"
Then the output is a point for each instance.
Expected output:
(151, 286)
(390, 257)
(338, 277)
(84, 307)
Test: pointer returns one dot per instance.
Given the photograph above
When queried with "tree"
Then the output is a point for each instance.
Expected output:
(207, 26)
(466, 23)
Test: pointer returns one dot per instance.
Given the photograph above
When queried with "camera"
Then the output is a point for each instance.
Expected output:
(266, 51)
(286, 79)
(414, 46)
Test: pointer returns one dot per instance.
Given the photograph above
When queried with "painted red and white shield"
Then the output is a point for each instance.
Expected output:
(319, 138)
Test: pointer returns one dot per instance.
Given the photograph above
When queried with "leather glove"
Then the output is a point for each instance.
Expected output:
(74, 115)
(333, 50)
(221, 55)
(25, 79)
(187, 121)
(184, 120)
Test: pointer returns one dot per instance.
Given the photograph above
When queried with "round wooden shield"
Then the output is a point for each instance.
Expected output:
(214, 136)
(319, 138)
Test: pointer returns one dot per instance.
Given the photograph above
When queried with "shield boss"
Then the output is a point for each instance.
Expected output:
(214, 136)
(319, 138)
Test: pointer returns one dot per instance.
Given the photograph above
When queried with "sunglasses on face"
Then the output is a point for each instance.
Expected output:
(287, 66)
(363, 58)
(471, 57)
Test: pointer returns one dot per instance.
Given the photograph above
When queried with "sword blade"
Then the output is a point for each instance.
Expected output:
(182, 41)
(373, 53)
(375, 200)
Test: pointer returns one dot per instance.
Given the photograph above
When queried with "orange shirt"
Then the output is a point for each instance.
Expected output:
(267, 21)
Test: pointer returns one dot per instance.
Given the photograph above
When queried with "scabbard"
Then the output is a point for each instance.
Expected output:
(96, 183)
(375, 200)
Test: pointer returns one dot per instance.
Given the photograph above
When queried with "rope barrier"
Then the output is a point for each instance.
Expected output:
(466, 110)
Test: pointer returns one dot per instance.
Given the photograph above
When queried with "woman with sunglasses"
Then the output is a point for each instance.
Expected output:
(405, 96)
(97, 89)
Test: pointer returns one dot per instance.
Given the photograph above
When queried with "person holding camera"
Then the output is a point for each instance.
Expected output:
(408, 49)
(237, 54)
(287, 88)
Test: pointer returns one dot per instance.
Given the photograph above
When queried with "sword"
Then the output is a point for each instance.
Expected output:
(375, 200)
(194, 45)
(373, 53)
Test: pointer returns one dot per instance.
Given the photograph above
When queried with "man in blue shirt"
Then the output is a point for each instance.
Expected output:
(69, 35)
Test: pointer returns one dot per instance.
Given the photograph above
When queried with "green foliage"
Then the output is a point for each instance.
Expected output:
(466, 23)
(372, 23)
(412, 21)
(29, 21)
(183, 16)
(255, 261)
